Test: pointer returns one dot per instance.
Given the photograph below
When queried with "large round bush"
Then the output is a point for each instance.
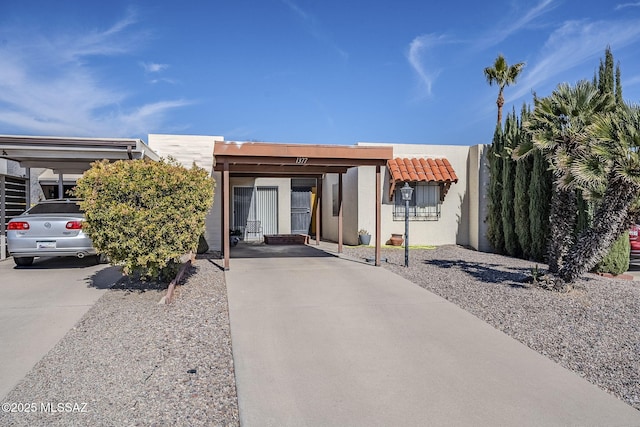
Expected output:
(145, 215)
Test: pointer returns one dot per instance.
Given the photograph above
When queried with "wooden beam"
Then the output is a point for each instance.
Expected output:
(378, 215)
(318, 208)
(266, 168)
(340, 229)
(297, 161)
(225, 214)
(295, 151)
(274, 175)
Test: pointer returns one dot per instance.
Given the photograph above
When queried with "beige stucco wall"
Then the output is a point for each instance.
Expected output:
(478, 198)
(459, 222)
(350, 205)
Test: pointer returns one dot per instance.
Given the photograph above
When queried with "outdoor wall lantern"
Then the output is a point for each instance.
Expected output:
(407, 192)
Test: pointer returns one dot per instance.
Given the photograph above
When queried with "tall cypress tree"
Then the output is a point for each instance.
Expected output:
(539, 206)
(521, 203)
(605, 73)
(494, 218)
(511, 244)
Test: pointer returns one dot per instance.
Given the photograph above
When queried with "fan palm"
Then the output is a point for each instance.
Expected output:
(559, 129)
(502, 75)
(613, 164)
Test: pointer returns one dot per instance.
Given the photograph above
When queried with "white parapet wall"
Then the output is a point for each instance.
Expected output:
(198, 149)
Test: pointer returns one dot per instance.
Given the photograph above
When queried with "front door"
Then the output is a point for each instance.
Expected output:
(300, 210)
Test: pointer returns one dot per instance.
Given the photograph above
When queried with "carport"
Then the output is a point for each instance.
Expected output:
(256, 159)
(64, 156)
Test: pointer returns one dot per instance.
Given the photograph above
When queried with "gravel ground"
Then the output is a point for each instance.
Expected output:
(593, 330)
(130, 361)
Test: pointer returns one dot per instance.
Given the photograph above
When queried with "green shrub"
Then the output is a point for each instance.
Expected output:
(617, 260)
(145, 215)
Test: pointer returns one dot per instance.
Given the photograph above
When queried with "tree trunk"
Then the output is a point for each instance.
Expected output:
(562, 221)
(608, 222)
(500, 103)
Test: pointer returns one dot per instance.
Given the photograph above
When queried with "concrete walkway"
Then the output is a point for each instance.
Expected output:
(40, 304)
(323, 341)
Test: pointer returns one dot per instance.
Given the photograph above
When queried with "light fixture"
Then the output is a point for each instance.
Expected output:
(407, 192)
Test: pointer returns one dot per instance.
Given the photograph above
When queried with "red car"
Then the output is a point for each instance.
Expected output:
(634, 240)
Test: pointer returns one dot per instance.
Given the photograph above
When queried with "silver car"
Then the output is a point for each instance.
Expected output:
(50, 228)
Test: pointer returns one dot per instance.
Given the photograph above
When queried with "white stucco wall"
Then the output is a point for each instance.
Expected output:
(198, 149)
(459, 222)
(350, 207)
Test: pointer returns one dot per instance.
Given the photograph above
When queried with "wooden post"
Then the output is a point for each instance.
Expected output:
(378, 214)
(318, 208)
(340, 213)
(225, 214)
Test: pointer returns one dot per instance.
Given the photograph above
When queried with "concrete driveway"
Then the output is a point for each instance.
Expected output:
(40, 304)
(323, 341)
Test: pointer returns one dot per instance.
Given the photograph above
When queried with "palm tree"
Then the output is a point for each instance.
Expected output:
(559, 129)
(503, 75)
(613, 163)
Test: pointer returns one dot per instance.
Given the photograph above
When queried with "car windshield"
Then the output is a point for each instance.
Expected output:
(56, 208)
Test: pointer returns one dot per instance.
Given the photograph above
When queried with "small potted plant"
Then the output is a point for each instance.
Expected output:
(364, 237)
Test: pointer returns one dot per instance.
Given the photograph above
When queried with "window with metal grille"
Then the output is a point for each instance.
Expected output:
(423, 206)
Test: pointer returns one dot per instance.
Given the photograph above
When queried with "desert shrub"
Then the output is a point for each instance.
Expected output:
(144, 215)
(617, 260)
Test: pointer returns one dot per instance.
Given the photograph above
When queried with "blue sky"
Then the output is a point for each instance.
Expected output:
(297, 71)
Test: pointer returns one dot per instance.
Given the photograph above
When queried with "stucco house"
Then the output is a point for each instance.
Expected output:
(448, 205)
(324, 191)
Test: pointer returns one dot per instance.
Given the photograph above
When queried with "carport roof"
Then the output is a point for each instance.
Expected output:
(245, 158)
(70, 155)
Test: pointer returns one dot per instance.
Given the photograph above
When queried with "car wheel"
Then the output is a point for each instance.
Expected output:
(102, 259)
(23, 261)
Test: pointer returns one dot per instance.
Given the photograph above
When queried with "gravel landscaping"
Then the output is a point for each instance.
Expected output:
(130, 361)
(593, 330)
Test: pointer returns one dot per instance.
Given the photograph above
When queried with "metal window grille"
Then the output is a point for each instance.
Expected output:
(423, 206)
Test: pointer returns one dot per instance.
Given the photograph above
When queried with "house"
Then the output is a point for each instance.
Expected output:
(448, 205)
(325, 191)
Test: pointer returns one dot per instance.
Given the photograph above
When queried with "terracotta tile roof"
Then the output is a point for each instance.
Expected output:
(421, 169)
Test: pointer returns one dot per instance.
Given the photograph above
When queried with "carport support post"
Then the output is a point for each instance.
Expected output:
(3, 218)
(378, 214)
(60, 185)
(225, 214)
(339, 213)
(318, 210)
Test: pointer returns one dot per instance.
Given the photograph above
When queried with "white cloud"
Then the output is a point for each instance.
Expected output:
(517, 22)
(625, 5)
(315, 28)
(48, 87)
(422, 60)
(152, 67)
(571, 45)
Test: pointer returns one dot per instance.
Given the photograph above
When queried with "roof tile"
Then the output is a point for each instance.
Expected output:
(422, 169)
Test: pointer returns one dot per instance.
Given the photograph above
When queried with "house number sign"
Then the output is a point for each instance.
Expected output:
(301, 160)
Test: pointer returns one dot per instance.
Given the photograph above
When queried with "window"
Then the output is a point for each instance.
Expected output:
(424, 204)
(336, 202)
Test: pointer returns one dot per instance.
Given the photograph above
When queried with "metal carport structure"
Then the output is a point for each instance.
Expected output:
(259, 159)
(65, 155)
